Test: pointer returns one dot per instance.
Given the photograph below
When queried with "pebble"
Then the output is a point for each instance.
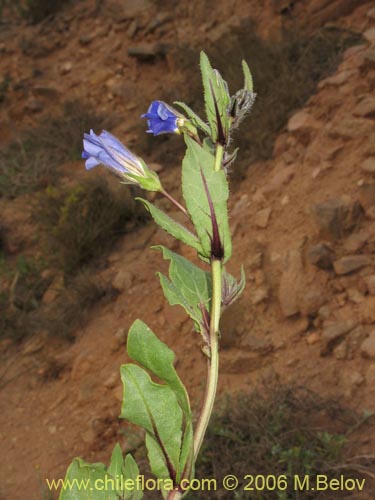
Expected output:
(368, 346)
(321, 255)
(351, 263)
(262, 218)
(368, 165)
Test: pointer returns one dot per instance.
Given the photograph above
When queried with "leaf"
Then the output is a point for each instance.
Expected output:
(125, 474)
(172, 227)
(117, 462)
(145, 348)
(155, 408)
(189, 285)
(231, 289)
(216, 99)
(248, 79)
(85, 481)
(195, 119)
(199, 162)
(131, 472)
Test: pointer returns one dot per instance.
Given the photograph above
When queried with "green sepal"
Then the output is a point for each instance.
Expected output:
(189, 286)
(217, 100)
(199, 163)
(194, 118)
(171, 226)
(149, 183)
(248, 79)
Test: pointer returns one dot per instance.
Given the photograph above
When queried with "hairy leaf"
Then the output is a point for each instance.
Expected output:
(171, 226)
(217, 100)
(198, 168)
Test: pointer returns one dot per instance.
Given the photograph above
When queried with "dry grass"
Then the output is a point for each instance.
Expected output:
(277, 430)
(80, 223)
(32, 162)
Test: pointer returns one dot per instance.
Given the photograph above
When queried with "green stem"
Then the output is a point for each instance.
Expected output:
(175, 202)
(219, 157)
(213, 362)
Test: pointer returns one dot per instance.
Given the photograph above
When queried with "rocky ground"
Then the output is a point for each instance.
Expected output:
(303, 226)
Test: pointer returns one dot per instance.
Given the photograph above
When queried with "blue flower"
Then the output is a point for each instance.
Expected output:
(163, 119)
(105, 149)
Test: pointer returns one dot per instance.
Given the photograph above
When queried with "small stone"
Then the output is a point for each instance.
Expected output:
(156, 22)
(290, 284)
(321, 255)
(334, 333)
(368, 346)
(255, 261)
(338, 79)
(66, 68)
(282, 177)
(354, 295)
(366, 310)
(34, 105)
(259, 295)
(111, 381)
(369, 58)
(311, 300)
(370, 35)
(34, 344)
(262, 217)
(82, 365)
(351, 263)
(132, 29)
(313, 338)
(325, 312)
(256, 343)
(148, 52)
(302, 121)
(366, 197)
(370, 375)
(86, 39)
(368, 165)
(356, 241)
(123, 280)
(336, 216)
(370, 284)
(365, 108)
(356, 378)
(341, 351)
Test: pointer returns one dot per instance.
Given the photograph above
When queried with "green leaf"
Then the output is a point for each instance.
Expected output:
(194, 118)
(117, 462)
(189, 285)
(144, 347)
(171, 226)
(248, 83)
(131, 472)
(199, 162)
(155, 408)
(217, 100)
(85, 481)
